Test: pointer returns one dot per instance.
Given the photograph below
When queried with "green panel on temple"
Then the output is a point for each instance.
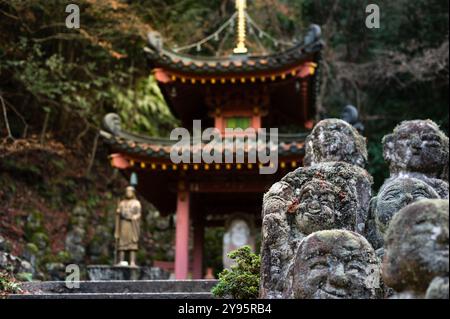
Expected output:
(238, 122)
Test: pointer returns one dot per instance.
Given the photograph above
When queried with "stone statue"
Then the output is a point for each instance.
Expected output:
(416, 248)
(128, 216)
(417, 147)
(320, 208)
(335, 264)
(417, 154)
(351, 116)
(394, 195)
(439, 185)
(239, 233)
(320, 197)
(334, 140)
(438, 289)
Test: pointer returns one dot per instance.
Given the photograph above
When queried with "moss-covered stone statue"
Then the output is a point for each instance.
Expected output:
(128, 217)
(394, 195)
(320, 197)
(417, 147)
(335, 264)
(416, 250)
(334, 140)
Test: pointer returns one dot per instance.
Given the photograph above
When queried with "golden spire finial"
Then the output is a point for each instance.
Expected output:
(241, 6)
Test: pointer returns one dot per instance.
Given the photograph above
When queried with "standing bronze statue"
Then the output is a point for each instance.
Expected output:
(128, 216)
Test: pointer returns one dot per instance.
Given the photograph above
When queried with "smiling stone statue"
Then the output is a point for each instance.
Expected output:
(320, 197)
(320, 208)
(335, 264)
(416, 249)
(393, 196)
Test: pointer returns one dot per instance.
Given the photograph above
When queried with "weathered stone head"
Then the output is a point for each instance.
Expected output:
(330, 196)
(416, 247)
(321, 207)
(334, 140)
(417, 146)
(130, 192)
(396, 194)
(335, 264)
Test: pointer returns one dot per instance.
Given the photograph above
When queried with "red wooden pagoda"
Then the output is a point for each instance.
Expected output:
(241, 90)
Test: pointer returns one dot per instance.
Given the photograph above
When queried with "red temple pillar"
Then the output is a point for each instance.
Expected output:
(182, 235)
(199, 231)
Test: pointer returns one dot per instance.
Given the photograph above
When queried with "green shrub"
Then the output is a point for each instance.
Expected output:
(8, 285)
(242, 280)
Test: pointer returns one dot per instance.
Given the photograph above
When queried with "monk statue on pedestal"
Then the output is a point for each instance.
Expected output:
(128, 216)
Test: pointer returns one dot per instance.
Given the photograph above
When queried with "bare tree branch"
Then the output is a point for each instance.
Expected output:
(5, 116)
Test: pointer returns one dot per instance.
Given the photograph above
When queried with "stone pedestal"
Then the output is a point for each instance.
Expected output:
(116, 273)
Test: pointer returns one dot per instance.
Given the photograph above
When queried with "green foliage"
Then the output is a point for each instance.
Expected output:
(24, 276)
(8, 285)
(143, 108)
(77, 76)
(32, 248)
(242, 280)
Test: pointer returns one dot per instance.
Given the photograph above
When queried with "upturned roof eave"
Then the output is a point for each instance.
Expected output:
(231, 65)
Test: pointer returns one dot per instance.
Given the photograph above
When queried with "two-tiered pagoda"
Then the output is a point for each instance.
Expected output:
(240, 90)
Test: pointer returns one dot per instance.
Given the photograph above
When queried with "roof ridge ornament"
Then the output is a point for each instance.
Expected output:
(155, 40)
(241, 6)
(312, 37)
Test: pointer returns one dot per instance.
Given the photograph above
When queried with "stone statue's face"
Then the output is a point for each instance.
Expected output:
(334, 140)
(335, 265)
(416, 247)
(335, 143)
(398, 194)
(240, 233)
(316, 210)
(419, 147)
(129, 192)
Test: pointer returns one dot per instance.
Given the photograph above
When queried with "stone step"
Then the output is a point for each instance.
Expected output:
(172, 295)
(121, 287)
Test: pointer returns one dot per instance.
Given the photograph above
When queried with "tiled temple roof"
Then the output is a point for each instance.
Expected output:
(234, 64)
